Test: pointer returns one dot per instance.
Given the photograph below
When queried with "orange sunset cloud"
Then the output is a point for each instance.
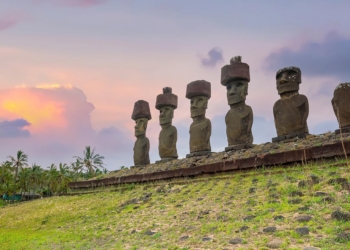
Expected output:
(47, 107)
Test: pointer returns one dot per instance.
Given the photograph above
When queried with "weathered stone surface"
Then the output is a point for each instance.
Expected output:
(338, 181)
(328, 199)
(295, 201)
(166, 99)
(141, 147)
(311, 248)
(141, 110)
(252, 190)
(305, 208)
(184, 237)
(149, 232)
(200, 131)
(279, 217)
(235, 241)
(167, 142)
(249, 217)
(315, 179)
(341, 104)
(302, 183)
(302, 230)
(236, 70)
(239, 119)
(206, 239)
(296, 193)
(199, 153)
(198, 88)
(166, 103)
(303, 218)
(269, 229)
(343, 237)
(266, 148)
(141, 114)
(339, 215)
(244, 228)
(288, 79)
(291, 111)
(274, 244)
(239, 122)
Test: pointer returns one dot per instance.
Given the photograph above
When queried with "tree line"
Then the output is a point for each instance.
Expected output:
(17, 177)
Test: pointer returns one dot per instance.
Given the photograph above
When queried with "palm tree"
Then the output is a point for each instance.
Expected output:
(19, 162)
(90, 160)
(35, 178)
(63, 177)
(7, 185)
(24, 182)
(52, 177)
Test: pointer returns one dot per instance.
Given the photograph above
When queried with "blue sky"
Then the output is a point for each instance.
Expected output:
(92, 59)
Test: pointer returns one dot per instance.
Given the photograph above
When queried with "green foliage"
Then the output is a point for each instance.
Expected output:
(16, 177)
(130, 186)
(90, 160)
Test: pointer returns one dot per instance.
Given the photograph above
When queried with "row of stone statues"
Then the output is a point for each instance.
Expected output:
(290, 113)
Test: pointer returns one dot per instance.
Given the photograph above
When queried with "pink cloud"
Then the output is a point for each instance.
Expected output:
(10, 20)
(81, 3)
(52, 123)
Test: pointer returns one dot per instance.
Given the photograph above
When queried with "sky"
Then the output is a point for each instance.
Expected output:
(71, 70)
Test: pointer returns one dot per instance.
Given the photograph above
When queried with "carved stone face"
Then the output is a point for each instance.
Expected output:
(341, 104)
(237, 91)
(198, 105)
(166, 114)
(287, 81)
(141, 126)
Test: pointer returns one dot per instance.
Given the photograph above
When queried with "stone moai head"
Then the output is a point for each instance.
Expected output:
(166, 103)
(288, 80)
(235, 77)
(141, 114)
(141, 126)
(341, 104)
(199, 92)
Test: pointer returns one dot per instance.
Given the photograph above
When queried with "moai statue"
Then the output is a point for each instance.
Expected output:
(341, 106)
(291, 111)
(239, 119)
(166, 103)
(141, 114)
(200, 131)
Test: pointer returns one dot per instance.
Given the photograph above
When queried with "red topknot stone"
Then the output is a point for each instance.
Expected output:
(166, 99)
(141, 110)
(197, 88)
(236, 70)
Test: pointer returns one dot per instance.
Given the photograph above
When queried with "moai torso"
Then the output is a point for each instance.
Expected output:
(166, 103)
(141, 151)
(292, 109)
(167, 142)
(200, 132)
(291, 114)
(239, 126)
(199, 93)
(341, 105)
(141, 115)
(239, 119)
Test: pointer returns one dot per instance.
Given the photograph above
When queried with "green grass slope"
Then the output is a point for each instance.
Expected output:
(274, 208)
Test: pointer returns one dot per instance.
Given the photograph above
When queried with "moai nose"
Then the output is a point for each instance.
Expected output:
(283, 80)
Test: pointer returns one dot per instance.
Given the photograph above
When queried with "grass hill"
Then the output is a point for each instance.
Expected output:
(294, 207)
